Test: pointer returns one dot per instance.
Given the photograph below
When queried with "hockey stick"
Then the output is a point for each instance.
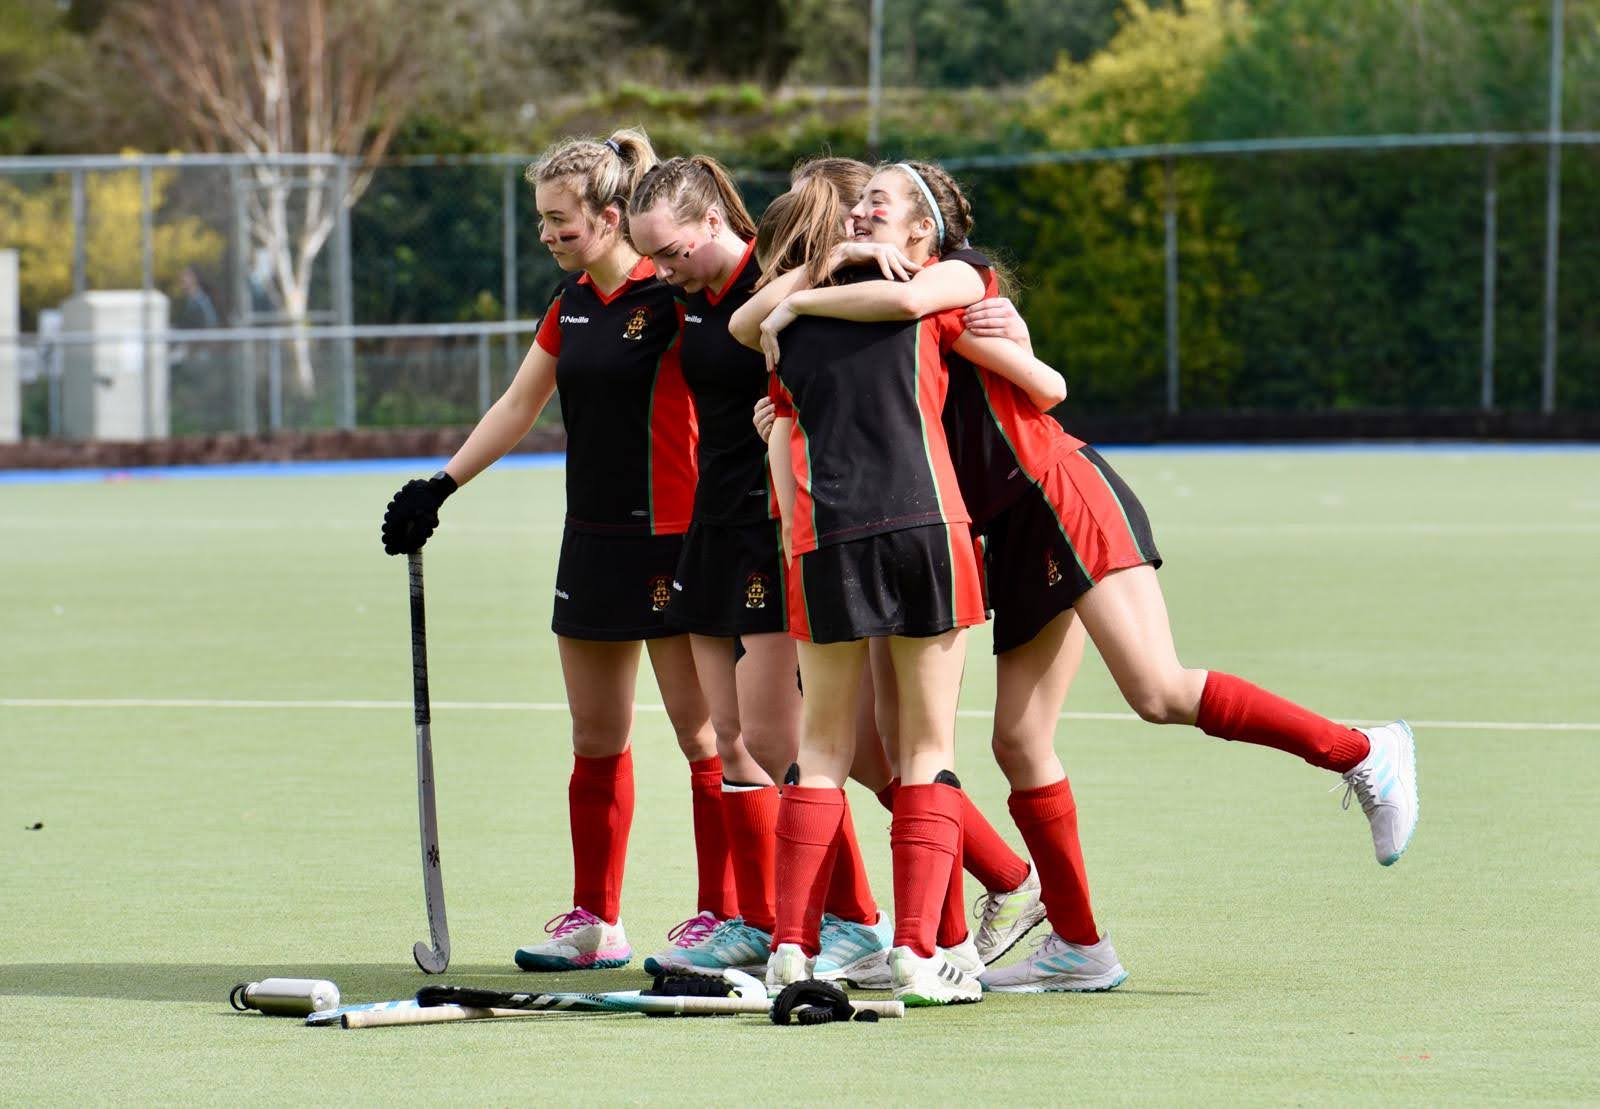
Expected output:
(440, 1004)
(434, 959)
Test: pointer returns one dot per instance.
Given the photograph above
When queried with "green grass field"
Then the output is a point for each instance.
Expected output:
(259, 823)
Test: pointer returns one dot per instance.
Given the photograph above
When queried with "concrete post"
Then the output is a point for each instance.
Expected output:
(116, 387)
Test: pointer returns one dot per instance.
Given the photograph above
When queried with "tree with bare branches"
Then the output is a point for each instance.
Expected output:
(273, 77)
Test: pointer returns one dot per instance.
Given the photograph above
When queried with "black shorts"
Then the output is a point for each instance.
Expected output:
(729, 580)
(914, 582)
(614, 587)
(1080, 523)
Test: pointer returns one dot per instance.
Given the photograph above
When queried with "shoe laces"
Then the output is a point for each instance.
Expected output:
(696, 930)
(1360, 784)
(564, 924)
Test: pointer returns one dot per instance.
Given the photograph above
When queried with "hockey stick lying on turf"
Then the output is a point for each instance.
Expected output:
(439, 1004)
(434, 959)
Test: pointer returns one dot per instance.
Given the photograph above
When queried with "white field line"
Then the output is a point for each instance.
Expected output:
(561, 706)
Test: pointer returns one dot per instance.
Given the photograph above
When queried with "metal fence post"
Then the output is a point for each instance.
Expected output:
(147, 267)
(344, 300)
(508, 254)
(243, 306)
(1490, 261)
(1552, 219)
(1170, 172)
(484, 389)
(80, 234)
(275, 385)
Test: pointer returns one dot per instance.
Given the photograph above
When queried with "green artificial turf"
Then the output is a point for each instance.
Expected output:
(1271, 960)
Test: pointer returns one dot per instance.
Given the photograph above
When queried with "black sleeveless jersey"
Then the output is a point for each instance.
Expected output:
(726, 378)
(629, 418)
(868, 448)
(1000, 443)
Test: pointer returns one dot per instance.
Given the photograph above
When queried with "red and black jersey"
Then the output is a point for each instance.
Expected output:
(726, 378)
(1000, 443)
(868, 448)
(629, 417)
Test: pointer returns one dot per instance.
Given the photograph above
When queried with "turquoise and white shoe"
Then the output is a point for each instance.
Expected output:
(681, 937)
(933, 981)
(1056, 965)
(732, 945)
(579, 940)
(786, 966)
(1385, 782)
(1004, 918)
(856, 954)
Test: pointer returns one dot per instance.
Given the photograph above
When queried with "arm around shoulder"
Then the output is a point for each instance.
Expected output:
(1045, 387)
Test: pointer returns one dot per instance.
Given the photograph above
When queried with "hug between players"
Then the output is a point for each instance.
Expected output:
(804, 456)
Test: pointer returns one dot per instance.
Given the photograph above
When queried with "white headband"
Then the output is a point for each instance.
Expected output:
(938, 220)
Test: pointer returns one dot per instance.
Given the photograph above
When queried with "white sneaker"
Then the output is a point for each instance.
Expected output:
(855, 954)
(691, 933)
(932, 981)
(579, 940)
(1385, 782)
(964, 956)
(786, 965)
(1056, 965)
(1004, 918)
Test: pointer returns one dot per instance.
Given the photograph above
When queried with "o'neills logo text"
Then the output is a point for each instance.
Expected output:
(574, 319)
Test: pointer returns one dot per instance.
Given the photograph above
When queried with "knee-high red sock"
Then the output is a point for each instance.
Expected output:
(885, 795)
(926, 841)
(751, 819)
(987, 856)
(1232, 708)
(953, 915)
(718, 891)
(849, 892)
(984, 854)
(1047, 816)
(808, 836)
(600, 804)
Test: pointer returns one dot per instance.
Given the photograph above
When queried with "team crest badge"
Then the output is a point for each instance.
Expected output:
(660, 593)
(1052, 570)
(755, 591)
(634, 328)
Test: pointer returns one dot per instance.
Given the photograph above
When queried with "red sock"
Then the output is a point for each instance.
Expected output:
(953, 917)
(885, 795)
(984, 854)
(849, 892)
(987, 857)
(808, 836)
(600, 801)
(751, 819)
(1232, 708)
(1048, 819)
(718, 891)
(926, 841)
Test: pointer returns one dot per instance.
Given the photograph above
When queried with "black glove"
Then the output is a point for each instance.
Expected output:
(414, 513)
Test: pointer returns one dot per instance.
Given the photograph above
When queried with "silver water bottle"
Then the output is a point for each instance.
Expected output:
(285, 997)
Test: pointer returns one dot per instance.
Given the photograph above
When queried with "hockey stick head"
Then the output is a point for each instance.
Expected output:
(745, 985)
(431, 960)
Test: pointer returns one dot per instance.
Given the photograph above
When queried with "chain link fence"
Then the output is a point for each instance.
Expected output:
(1306, 276)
